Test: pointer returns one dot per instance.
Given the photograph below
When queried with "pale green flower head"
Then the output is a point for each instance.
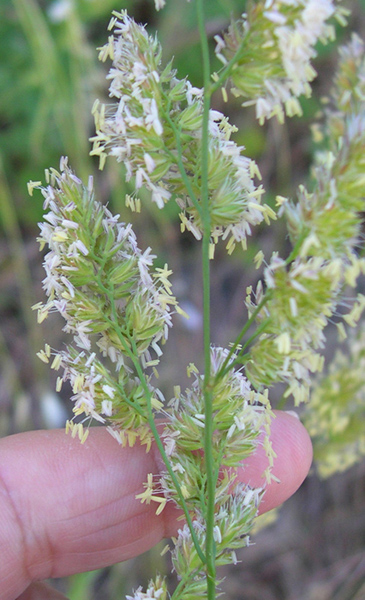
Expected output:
(156, 590)
(91, 257)
(349, 90)
(155, 119)
(236, 408)
(240, 414)
(298, 302)
(327, 222)
(117, 308)
(273, 45)
(185, 559)
(335, 416)
(233, 521)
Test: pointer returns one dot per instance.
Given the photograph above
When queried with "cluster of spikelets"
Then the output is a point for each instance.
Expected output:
(154, 128)
(326, 220)
(335, 416)
(156, 590)
(240, 414)
(271, 48)
(325, 229)
(118, 308)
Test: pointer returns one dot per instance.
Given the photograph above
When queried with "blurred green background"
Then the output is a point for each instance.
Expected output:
(49, 79)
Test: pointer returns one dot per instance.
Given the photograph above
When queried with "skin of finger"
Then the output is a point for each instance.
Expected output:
(72, 508)
(293, 447)
(41, 591)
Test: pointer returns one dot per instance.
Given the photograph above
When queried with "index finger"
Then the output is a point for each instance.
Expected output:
(67, 507)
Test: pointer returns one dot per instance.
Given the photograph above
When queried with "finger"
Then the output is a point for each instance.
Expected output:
(41, 591)
(69, 508)
(292, 445)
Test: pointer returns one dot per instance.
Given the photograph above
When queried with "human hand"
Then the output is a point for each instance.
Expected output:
(67, 508)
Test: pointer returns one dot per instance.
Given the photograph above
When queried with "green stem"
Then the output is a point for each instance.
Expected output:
(241, 355)
(135, 405)
(226, 366)
(295, 251)
(211, 470)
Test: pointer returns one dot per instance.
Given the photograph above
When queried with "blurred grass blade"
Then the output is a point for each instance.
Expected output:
(65, 100)
(21, 268)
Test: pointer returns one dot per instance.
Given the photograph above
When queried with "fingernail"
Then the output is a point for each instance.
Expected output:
(292, 413)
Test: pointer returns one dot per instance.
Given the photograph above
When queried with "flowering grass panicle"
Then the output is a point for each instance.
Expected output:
(233, 523)
(326, 222)
(300, 299)
(335, 417)
(271, 48)
(298, 302)
(239, 415)
(154, 128)
(325, 227)
(116, 307)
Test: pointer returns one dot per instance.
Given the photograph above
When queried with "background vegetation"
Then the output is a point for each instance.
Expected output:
(49, 79)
